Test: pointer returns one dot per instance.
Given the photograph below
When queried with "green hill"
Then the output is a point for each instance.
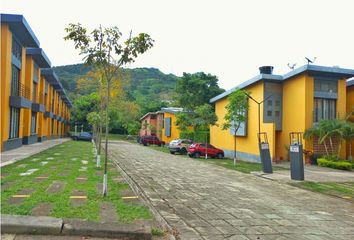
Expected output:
(149, 87)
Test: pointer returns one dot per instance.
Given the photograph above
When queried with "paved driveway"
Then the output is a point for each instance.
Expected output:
(203, 201)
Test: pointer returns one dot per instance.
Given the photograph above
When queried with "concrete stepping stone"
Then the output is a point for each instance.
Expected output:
(34, 159)
(84, 162)
(99, 173)
(7, 185)
(119, 179)
(43, 209)
(83, 169)
(29, 172)
(22, 165)
(64, 173)
(108, 212)
(41, 178)
(78, 198)
(57, 154)
(56, 187)
(81, 179)
(18, 198)
(4, 175)
(73, 159)
(128, 196)
(99, 188)
(43, 163)
(49, 158)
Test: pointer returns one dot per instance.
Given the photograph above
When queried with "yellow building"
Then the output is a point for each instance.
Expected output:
(34, 106)
(169, 129)
(294, 102)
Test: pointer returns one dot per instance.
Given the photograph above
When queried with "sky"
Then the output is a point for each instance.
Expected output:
(227, 38)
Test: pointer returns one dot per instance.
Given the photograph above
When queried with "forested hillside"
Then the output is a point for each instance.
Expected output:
(148, 87)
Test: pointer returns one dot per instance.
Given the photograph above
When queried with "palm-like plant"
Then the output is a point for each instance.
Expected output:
(317, 131)
(347, 133)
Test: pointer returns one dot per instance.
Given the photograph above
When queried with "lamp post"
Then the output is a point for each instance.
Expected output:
(263, 146)
(259, 111)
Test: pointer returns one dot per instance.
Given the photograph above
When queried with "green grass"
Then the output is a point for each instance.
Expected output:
(60, 201)
(241, 166)
(343, 190)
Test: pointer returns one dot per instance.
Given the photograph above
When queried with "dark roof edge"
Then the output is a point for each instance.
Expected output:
(343, 72)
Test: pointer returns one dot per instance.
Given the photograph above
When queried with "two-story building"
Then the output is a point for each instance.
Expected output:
(293, 102)
(34, 105)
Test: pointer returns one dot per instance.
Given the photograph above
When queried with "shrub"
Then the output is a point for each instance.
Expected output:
(343, 165)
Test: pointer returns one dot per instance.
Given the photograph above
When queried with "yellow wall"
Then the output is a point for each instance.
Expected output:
(6, 40)
(350, 108)
(248, 144)
(341, 108)
(298, 98)
(174, 130)
(29, 84)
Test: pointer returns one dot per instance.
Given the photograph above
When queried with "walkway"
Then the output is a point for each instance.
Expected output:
(203, 201)
(17, 154)
(312, 173)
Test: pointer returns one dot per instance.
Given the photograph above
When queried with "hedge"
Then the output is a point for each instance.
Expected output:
(343, 165)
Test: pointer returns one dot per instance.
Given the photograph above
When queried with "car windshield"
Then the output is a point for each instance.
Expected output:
(175, 141)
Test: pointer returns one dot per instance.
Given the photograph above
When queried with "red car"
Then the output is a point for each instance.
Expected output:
(147, 140)
(199, 149)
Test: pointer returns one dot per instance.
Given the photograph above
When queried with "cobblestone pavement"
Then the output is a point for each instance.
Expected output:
(203, 201)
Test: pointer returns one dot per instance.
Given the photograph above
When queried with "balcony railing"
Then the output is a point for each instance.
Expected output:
(21, 90)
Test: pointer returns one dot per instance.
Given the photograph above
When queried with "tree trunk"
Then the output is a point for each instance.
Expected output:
(106, 142)
(206, 145)
(350, 157)
(235, 149)
(325, 145)
(331, 144)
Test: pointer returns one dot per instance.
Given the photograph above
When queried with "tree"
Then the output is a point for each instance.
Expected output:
(103, 49)
(196, 89)
(236, 111)
(83, 106)
(204, 116)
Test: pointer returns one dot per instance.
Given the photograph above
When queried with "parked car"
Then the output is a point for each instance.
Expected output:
(84, 136)
(179, 146)
(150, 139)
(199, 149)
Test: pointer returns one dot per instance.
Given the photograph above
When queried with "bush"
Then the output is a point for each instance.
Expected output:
(343, 165)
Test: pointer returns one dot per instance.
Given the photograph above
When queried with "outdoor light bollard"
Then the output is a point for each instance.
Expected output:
(265, 153)
(296, 158)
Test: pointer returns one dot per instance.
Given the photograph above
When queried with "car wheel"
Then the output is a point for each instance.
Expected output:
(197, 155)
(172, 152)
(183, 151)
(145, 144)
(220, 155)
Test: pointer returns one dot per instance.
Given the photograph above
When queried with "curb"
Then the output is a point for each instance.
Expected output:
(136, 188)
(17, 224)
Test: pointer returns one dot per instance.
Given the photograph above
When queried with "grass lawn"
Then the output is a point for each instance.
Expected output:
(241, 166)
(65, 163)
(343, 190)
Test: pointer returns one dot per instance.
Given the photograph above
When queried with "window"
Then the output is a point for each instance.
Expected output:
(34, 93)
(35, 73)
(277, 113)
(14, 122)
(326, 86)
(46, 87)
(16, 49)
(324, 109)
(15, 81)
(269, 113)
(33, 123)
(52, 126)
(269, 102)
(277, 103)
